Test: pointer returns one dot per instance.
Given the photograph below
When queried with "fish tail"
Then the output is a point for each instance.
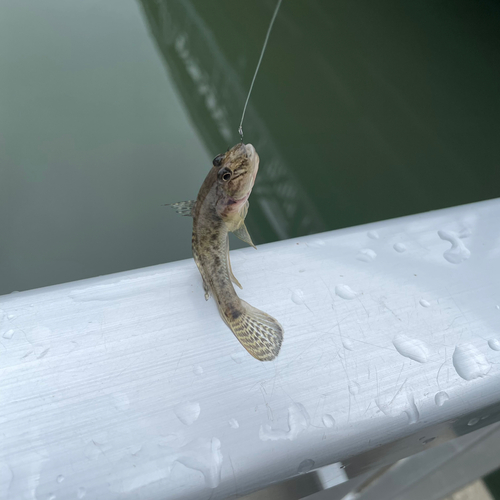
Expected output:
(260, 334)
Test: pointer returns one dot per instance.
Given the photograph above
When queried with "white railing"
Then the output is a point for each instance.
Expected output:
(131, 386)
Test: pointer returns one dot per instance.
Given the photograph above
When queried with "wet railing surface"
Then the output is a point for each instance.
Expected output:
(130, 385)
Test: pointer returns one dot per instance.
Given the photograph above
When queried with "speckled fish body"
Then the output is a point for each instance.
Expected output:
(220, 208)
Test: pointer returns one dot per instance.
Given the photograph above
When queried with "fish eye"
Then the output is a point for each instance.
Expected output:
(225, 174)
(217, 161)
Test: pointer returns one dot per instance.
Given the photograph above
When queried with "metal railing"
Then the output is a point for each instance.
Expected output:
(130, 385)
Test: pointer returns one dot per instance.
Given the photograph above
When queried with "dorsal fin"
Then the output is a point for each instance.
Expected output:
(183, 207)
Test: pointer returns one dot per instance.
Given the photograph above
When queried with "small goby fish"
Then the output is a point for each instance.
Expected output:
(220, 208)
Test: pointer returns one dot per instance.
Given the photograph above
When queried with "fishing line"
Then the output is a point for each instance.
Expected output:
(240, 129)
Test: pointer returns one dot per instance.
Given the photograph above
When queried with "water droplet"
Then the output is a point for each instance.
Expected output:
(187, 412)
(354, 388)
(411, 348)
(203, 455)
(395, 401)
(494, 344)
(458, 251)
(366, 255)
(347, 343)
(498, 307)
(316, 243)
(10, 317)
(305, 466)
(328, 420)
(298, 421)
(399, 247)
(345, 292)
(60, 478)
(412, 411)
(170, 439)
(120, 401)
(8, 334)
(233, 423)
(440, 398)
(32, 305)
(469, 362)
(298, 296)
(51, 496)
(238, 357)
(373, 235)
(485, 417)
(473, 421)
(424, 303)
(134, 449)
(198, 370)
(81, 492)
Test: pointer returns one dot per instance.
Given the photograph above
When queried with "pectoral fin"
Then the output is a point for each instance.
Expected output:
(231, 275)
(242, 234)
(183, 207)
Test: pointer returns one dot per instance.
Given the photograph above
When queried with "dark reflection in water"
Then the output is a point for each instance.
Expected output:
(370, 110)
(362, 111)
(212, 86)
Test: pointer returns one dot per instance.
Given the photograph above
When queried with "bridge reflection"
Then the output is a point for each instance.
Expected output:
(213, 93)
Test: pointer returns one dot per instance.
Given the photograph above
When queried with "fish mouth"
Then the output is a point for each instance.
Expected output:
(252, 157)
(250, 150)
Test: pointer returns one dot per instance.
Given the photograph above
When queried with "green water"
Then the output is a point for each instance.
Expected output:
(362, 111)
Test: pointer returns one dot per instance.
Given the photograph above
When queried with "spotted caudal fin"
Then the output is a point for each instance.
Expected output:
(183, 207)
(260, 334)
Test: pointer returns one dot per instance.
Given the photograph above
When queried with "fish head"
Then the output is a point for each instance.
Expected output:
(236, 173)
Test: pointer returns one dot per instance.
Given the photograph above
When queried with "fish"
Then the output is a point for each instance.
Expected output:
(220, 208)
